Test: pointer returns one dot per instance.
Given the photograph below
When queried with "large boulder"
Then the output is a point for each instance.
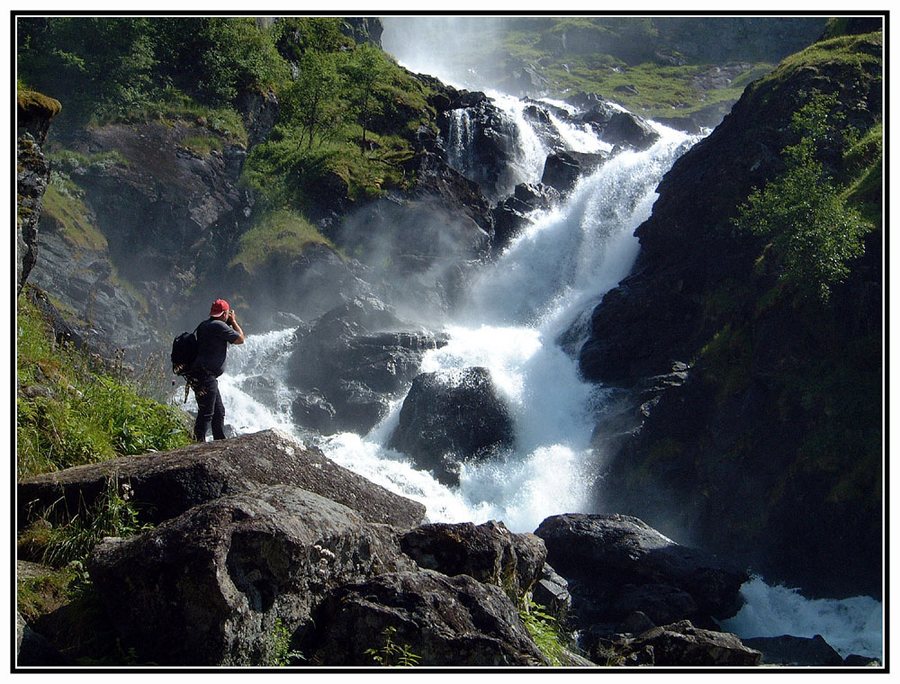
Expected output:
(617, 565)
(213, 586)
(449, 418)
(513, 214)
(443, 620)
(683, 645)
(795, 651)
(489, 552)
(165, 485)
(351, 363)
(563, 169)
(619, 127)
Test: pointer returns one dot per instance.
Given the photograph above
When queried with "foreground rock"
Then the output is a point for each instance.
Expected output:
(683, 645)
(206, 588)
(447, 419)
(792, 650)
(617, 565)
(441, 619)
(490, 553)
(168, 484)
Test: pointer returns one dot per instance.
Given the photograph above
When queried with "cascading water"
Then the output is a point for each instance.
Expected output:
(513, 314)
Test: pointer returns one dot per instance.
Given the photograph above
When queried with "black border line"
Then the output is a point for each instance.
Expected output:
(599, 670)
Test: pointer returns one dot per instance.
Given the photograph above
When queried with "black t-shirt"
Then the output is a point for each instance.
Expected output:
(213, 337)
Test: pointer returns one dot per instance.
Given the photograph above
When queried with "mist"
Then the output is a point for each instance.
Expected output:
(467, 56)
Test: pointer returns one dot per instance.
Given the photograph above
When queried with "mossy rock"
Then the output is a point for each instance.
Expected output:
(37, 104)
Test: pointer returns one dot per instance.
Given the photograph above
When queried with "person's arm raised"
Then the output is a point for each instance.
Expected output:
(232, 321)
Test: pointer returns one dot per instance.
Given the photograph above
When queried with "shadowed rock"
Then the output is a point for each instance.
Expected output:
(442, 620)
(206, 588)
(617, 565)
(165, 485)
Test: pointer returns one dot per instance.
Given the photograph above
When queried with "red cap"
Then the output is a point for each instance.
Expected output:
(219, 307)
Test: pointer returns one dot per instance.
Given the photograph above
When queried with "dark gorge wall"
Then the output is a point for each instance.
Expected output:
(766, 444)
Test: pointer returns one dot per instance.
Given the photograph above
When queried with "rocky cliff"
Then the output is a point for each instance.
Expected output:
(35, 112)
(753, 421)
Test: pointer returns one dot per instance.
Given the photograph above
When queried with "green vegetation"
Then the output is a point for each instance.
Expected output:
(64, 208)
(655, 66)
(71, 409)
(392, 654)
(60, 538)
(348, 114)
(544, 630)
(282, 655)
(815, 232)
(278, 234)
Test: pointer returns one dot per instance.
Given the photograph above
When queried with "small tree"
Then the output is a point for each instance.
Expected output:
(365, 70)
(312, 100)
(814, 232)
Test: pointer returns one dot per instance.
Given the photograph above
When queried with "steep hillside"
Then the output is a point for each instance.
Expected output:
(765, 442)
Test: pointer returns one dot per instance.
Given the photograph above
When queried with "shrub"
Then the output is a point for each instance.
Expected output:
(815, 233)
(392, 654)
(544, 630)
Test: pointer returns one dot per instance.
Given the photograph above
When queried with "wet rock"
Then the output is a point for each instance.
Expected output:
(618, 127)
(351, 363)
(449, 418)
(511, 215)
(563, 169)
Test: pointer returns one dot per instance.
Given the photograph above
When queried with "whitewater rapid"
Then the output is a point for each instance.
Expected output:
(511, 321)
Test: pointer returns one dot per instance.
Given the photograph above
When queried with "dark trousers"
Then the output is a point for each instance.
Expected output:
(210, 409)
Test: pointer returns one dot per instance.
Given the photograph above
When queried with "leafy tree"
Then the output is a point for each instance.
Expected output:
(215, 58)
(815, 233)
(365, 70)
(312, 100)
(294, 36)
(92, 65)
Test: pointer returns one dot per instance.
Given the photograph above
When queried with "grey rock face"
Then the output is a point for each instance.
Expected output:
(207, 587)
(166, 485)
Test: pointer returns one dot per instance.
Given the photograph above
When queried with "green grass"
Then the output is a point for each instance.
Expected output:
(75, 533)
(173, 105)
(281, 232)
(203, 144)
(72, 410)
(64, 207)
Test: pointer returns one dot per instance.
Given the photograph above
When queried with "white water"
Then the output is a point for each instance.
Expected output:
(552, 274)
(852, 625)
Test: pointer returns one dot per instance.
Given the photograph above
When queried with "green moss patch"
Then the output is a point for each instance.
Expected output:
(283, 233)
(67, 212)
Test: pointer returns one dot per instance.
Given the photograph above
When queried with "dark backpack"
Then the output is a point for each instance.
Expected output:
(184, 352)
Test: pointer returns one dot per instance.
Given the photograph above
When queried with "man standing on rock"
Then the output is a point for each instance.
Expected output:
(213, 337)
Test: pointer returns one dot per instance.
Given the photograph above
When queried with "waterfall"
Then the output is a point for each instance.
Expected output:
(510, 321)
(460, 140)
